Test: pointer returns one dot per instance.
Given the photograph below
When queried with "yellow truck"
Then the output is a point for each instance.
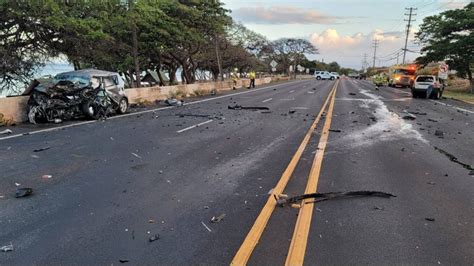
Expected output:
(402, 75)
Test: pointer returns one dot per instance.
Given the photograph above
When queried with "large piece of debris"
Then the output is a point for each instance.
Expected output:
(174, 102)
(240, 107)
(23, 192)
(6, 132)
(7, 248)
(283, 199)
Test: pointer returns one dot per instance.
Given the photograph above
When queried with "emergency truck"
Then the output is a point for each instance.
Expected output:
(402, 75)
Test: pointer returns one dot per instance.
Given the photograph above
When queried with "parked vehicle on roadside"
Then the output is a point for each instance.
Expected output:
(335, 74)
(428, 86)
(91, 93)
(319, 75)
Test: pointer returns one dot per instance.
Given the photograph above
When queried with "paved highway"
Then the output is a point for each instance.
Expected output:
(116, 184)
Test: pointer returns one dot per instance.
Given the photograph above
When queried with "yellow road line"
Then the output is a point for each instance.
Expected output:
(297, 248)
(251, 241)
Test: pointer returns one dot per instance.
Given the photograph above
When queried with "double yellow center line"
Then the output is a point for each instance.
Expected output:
(300, 236)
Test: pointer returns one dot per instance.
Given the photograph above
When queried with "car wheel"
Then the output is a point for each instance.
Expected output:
(91, 110)
(332, 78)
(123, 106)
(318, 78)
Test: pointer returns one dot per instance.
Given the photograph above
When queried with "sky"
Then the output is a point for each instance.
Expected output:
(342, 30)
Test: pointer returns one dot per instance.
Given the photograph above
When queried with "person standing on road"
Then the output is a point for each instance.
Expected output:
(252, 79)
(234, 78)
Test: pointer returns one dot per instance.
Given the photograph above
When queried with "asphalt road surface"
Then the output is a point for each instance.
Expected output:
(102, 189)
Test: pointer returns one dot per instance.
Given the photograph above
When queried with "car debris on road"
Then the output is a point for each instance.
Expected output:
(218, 218)
(23, 192)
(6, 132)
(41, 149)
(153, 238)
(7, 248)
(240, 107)
(283, 199)
(174, 102)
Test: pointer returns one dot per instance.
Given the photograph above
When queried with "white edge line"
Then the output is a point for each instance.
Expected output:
(457, 108)
(267, 100)
(143, 112)
(193, 126)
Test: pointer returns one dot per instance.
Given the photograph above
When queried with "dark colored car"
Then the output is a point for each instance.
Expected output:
(89, 92)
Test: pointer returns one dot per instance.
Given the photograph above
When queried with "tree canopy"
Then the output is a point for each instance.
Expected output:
(449, 37)
(190, 37)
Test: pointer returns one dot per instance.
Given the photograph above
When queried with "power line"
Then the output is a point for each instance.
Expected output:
(376, 43)
(410, 20)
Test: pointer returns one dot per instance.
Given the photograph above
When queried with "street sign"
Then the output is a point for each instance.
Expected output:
(273, 63)
(274, 69)
(443, 71)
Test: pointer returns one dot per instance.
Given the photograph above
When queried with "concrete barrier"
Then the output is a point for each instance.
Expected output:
(14, 108)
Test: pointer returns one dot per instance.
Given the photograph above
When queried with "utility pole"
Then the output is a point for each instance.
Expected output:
(409, 20)
(364, 63)
(376, 43)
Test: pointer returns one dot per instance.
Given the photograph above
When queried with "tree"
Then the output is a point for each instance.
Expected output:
(449, 37)
(289, 51)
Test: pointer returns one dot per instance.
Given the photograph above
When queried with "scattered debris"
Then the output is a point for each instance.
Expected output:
(154, 238)
(283, 199)
(418, 113)
(432, 120)
(123, 261)
(174, 102)
(292, 111)
(455, 159)
(136, 155)
(218, 218)
(6, 132)
(240, 107)
(373, 118)
(431, 183)
(17, 184)
(335, 130)
(23, 192)
(430, 219)
(151, 221)
(352, 93)
(47, 176)
(409, 116)
(42, 149)
(378, 208)
(7, 248)
(208, 229)
(439, 133)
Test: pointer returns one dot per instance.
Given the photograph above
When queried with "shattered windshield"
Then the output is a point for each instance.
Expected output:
(78, 80)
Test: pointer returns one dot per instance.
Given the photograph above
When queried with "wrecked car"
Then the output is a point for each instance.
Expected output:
(91, 93)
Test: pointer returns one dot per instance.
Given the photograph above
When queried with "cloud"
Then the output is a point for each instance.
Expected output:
(451, 4)
(348, 50)
(282, 15)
